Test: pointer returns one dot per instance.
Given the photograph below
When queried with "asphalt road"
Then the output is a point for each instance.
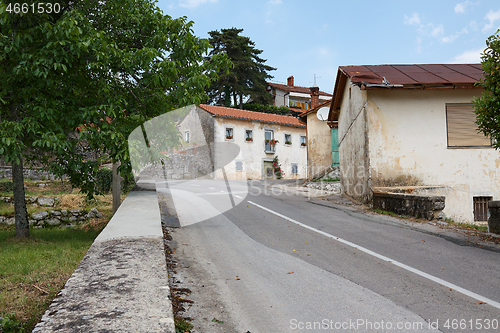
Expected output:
(258, 261)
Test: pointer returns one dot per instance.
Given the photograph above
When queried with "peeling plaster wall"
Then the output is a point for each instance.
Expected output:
(319, 146)
(252, 153)
(354, 144)
(408, 146)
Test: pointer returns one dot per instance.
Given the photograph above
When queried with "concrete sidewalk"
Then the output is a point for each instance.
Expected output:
(121, 285)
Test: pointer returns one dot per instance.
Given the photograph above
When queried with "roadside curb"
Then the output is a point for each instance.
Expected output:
(121, 285)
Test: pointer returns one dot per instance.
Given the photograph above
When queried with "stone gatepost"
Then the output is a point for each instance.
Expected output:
(494, 219)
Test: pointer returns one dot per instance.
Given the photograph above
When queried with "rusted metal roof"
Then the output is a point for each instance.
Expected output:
(427, 76)
(415, 75)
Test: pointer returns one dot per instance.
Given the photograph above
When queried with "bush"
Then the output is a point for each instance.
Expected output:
(6, 186)
(10, 324)
(104, 180)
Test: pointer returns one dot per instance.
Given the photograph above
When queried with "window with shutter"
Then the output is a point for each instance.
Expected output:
(462, 127)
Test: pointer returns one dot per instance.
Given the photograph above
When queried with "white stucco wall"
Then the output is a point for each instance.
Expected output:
(252, 153)
(281, 98)
(408, 146)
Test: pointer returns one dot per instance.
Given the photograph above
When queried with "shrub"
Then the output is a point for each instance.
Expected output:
(10, 324)
(104, 180)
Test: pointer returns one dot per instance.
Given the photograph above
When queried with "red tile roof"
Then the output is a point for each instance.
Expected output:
(297, 89)
(221, 111)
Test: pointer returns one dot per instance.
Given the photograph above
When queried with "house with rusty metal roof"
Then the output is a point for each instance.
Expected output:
(259, 138)
(295, 97)
(407, 133)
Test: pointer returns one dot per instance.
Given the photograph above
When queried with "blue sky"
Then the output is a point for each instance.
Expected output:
(315, 37)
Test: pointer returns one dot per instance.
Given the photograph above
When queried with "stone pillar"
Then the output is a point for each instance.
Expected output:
(494, 219)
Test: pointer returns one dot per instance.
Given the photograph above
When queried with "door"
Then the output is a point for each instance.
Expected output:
(268, 170)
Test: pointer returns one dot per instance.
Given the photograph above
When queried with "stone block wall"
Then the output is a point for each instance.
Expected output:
(424, 207)
(33, 173)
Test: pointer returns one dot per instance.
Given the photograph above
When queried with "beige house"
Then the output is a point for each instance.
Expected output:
(411, 129)
(255, 137)
(320, 155)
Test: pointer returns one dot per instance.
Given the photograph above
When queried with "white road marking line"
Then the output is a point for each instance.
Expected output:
(238, 196)
(223, 191)
(212, 188)
(388, 260)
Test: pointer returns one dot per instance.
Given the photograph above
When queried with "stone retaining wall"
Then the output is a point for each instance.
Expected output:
(33, 173)
(494, 219)
(424, 207)
(56, 217)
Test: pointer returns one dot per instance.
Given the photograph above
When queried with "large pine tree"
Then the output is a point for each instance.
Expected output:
(248, 76)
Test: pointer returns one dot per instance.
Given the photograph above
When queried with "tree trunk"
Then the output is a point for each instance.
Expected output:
(241, 101)
(235, 98)
(116, 187)
(227, 96)
(21, 215)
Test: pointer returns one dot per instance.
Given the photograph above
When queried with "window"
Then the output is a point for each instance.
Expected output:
(288, 139)
(186, 136)
(461, 127)
(303, 141)
(295, 169)
(269, 140)
(481, 208)
(248, 136)
(229, 133)
(239, 166)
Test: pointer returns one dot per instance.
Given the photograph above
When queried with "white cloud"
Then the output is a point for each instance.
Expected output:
(492, 17)
(449, 39)
(467, 57)
(414, 19)
(452, 38)
(194, 3)
(275, 2)
(436, 30)
(460, 7)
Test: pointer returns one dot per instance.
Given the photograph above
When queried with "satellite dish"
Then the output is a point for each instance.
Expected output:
(322, 113)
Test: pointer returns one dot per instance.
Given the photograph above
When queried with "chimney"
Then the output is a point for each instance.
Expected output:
(314, 97)
(289, 81)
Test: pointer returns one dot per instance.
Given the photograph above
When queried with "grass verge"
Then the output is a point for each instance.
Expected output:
(34, 270)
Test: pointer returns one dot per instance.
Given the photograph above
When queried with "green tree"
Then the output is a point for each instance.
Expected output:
(487, 106)
(69, 75)
(248, 75)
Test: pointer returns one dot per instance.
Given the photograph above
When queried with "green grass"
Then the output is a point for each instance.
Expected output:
(473, 226)
(34, 270)
(380, 211)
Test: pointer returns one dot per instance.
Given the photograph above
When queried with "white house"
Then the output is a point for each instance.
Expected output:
(293, 96)
(411, 129)
(259, 138)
